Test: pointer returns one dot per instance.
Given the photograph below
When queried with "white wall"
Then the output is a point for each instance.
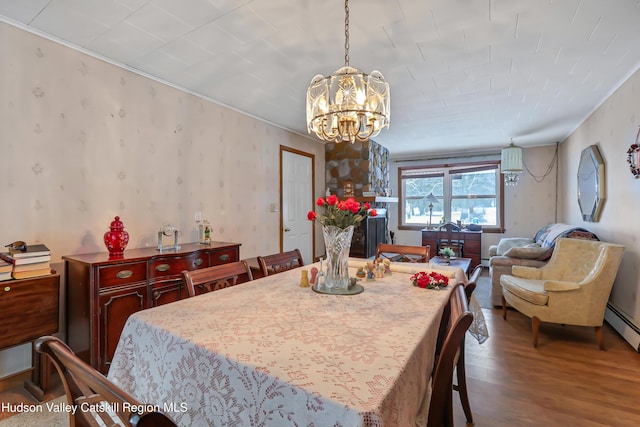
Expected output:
(613, 128)
(82, 141)
(529, 206)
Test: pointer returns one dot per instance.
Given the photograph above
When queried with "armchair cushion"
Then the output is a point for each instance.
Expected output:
(530, 290)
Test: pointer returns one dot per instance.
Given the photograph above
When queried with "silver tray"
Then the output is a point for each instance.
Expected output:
(352, 290)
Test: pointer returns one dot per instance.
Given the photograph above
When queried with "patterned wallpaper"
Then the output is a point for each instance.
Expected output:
(82, 141)
(613, 128)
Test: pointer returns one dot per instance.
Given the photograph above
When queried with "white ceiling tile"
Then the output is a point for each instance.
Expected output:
(185, 50)
(239, 20)
(22, 11)
(463, 74)
(68, 24)
(158, 22)
(124, 43)
(214, 39)
(196, 12)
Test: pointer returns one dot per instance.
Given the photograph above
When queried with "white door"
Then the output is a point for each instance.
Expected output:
(297, 200)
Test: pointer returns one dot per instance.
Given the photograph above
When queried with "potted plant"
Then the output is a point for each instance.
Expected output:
(447, 253)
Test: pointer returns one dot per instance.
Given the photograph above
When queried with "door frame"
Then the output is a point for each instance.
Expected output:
(312, 156)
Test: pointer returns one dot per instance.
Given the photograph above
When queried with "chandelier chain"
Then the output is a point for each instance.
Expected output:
(540, 178)
(346, 33)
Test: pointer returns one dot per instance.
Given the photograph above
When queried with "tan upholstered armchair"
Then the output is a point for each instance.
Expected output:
(572, 288)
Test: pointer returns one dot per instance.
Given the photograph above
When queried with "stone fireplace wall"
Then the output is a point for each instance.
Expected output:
(366, 164)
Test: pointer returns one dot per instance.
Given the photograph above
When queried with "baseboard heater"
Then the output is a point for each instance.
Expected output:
(625, 326)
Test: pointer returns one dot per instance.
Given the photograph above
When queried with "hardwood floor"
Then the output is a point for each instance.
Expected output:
(13, 392)
(566, 381)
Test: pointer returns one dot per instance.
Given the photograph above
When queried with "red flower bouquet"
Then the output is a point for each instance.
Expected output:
(341, 214)
(430, 280)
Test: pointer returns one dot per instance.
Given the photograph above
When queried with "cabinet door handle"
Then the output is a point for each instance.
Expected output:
(7, 288)
(198, 261)
(124, 274)
(223, 257)
(163, 267)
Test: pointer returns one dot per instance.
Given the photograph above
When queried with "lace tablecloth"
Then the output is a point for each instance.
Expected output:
(271, 353)
(478, 328)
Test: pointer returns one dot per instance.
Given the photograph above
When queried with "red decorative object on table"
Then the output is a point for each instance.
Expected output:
(116, 239)
(431, 280)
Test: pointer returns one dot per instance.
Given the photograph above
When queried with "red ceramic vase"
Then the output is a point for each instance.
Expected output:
(116, 239)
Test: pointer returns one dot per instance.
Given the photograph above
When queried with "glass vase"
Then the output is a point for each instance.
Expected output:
(337, 242)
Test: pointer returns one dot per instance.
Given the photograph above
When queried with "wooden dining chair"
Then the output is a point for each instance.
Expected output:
(282, 261)
(216, 277)
(86, 387)
(457, 321)
(403, 253)
(445, 238)
(461, 375)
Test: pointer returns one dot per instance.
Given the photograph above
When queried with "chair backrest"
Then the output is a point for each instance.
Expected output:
(459, 319)
(403, 253)
(473, 281)
(216, 277)
(445, 238)
(282, 261)
(85, 385)
(573, 260)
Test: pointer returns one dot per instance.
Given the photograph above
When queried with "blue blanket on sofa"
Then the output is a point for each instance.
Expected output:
(548, 235)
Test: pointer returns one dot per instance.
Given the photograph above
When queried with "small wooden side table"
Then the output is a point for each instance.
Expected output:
(30, 309)
(463, 263)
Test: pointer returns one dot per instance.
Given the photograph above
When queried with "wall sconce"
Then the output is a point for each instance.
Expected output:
(511, 164)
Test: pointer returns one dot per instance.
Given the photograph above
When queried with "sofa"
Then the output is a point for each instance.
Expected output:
(528, 252)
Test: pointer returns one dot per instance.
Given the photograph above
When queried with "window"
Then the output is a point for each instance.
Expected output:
(470, 193)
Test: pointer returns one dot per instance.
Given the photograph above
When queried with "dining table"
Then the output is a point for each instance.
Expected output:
(271, 352)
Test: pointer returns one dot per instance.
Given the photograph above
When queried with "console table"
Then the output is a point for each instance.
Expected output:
(30, 308)
(103, 292)
(472, 243)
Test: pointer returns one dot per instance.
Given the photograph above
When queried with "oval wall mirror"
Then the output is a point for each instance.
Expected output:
(591, 191)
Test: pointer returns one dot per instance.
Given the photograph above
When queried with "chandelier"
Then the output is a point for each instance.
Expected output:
(348, 105)
(511, 164)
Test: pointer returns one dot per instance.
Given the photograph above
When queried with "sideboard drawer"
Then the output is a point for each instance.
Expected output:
(122, 274)
(224, 256)
(173, 266)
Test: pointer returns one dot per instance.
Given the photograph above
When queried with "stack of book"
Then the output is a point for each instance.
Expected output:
(5, 270)
(33, 262)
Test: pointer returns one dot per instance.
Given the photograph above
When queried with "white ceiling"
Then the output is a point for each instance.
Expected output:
(464, 74)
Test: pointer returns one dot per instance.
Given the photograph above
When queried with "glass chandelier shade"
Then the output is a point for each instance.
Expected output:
(348, 105)
(511, 164)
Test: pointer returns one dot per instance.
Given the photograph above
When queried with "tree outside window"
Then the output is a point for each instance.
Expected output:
(469, 193)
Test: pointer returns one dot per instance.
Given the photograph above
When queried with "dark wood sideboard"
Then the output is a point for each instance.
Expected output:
(472, 243)
(29, 309)
(102, 292)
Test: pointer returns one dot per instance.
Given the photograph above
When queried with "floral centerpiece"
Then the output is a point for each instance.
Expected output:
(429, 280)
(447, 252)
(338, 221)
(341, 214)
